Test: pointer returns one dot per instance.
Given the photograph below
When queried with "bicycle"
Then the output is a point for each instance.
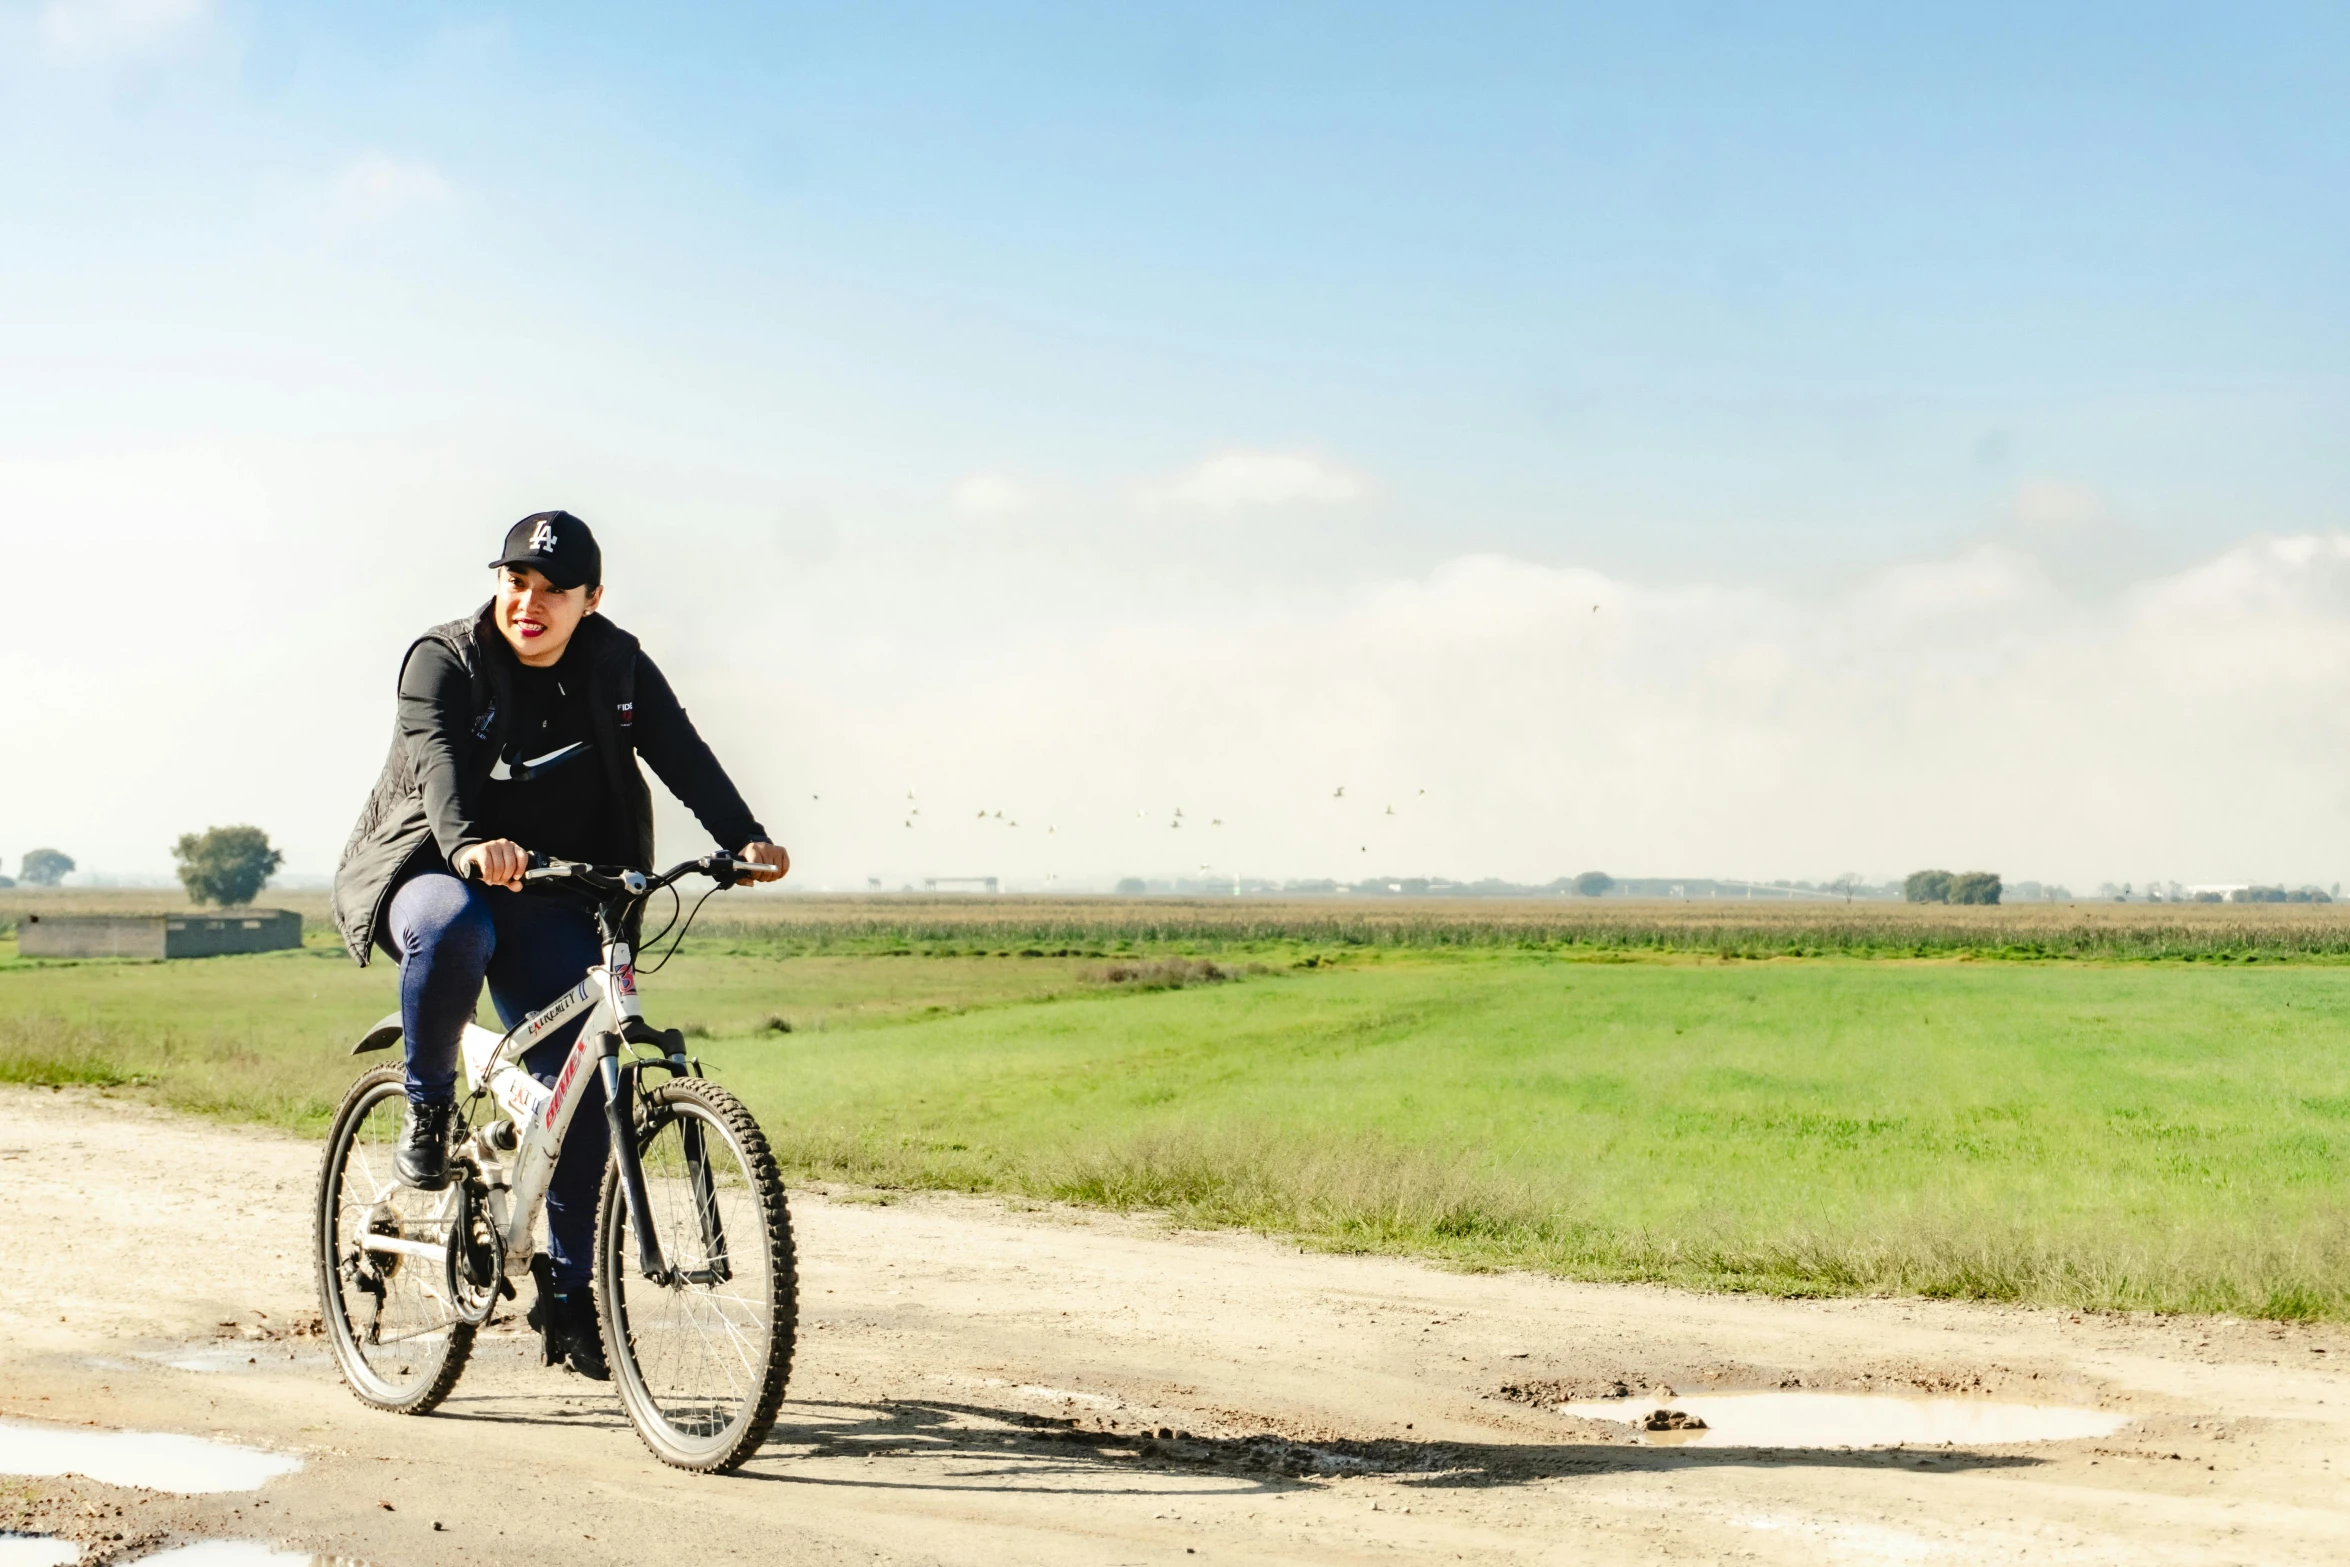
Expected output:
(694, 1280)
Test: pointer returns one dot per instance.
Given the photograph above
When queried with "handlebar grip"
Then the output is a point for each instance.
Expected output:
(533, 864)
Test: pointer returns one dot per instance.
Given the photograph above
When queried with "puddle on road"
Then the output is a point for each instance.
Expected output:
(1851, 1420)
(37, 1550)
(156, 1460)
(239, 1553)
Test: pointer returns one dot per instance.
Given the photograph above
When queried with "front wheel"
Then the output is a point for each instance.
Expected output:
(700, 1357)
(381, 1248)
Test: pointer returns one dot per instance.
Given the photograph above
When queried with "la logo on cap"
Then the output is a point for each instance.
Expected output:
(542, 539)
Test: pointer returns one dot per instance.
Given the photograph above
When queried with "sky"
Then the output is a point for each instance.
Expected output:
(1696, 439)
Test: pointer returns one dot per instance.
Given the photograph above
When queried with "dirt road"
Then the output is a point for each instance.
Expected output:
(1335, 1409)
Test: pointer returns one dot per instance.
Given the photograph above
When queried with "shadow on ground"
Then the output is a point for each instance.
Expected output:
(996, 1448)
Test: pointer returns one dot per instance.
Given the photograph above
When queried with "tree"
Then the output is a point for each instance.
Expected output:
(45, 867)
(1927, 887)
(1132, 886)
(1592, 884)
(225, 864)
(1974, 887)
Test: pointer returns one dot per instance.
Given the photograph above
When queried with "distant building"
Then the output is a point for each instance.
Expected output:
(157, 935)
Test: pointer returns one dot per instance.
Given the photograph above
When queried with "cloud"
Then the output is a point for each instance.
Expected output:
(989, 495)
(2059, 503)
(1240, 478)
(1966, 712)
(85, 29)
(1963, 712)
(379, 186)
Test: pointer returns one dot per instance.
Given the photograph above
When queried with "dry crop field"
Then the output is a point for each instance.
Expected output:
(1727, 927)
(1740, 927)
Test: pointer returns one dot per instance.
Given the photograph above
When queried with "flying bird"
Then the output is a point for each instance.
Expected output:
(1338, 793)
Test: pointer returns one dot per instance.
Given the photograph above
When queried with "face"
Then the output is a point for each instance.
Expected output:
(536, 617)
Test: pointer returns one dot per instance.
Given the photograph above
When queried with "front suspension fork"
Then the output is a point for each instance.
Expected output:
(619, 1115)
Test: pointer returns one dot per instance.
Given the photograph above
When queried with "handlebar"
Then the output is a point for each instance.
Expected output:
(724, 869)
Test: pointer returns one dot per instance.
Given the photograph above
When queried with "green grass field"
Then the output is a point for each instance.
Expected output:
(2170, 1135)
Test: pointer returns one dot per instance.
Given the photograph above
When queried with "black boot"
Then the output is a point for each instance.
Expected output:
(566, 1320)
(583, 1339)
(423, 1157)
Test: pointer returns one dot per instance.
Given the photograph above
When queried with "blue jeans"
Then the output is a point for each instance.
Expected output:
(450, 935)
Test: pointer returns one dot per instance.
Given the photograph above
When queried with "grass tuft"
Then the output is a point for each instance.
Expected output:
(49, 1052)
(1162, 973)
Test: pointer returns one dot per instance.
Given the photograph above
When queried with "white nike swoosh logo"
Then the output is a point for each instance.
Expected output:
(501, 773)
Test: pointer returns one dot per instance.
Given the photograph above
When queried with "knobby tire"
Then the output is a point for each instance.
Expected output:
(668, 1108)
(343, 1336)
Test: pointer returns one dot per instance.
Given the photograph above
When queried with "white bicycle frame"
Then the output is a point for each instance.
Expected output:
(541, 1114)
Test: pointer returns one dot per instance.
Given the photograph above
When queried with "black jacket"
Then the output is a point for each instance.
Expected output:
(444, 744)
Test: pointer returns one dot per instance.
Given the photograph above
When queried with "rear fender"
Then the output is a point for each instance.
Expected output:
(383, 1036)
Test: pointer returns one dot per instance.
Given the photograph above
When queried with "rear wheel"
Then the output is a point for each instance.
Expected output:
(699, 1358)
(395, 1330)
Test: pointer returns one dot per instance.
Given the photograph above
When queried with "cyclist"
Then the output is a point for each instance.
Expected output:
(518, 732)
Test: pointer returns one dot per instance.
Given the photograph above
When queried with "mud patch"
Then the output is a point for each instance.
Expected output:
(1844, 1420)
(1671, 1420)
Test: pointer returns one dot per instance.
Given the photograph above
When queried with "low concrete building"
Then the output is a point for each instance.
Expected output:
(157, 935)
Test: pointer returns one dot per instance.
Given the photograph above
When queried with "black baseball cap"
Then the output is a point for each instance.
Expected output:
(558, 547)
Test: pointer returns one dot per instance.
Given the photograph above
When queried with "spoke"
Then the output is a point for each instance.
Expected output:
(359, 1156)
(708, 1343)
(399, 1335)
(413, 1334)
(699, 1352)
(740, 1345)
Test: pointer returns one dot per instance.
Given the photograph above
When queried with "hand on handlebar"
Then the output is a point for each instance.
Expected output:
(499, 862)
(772, 859)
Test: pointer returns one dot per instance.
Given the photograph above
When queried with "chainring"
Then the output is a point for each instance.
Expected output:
(476, 1267)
